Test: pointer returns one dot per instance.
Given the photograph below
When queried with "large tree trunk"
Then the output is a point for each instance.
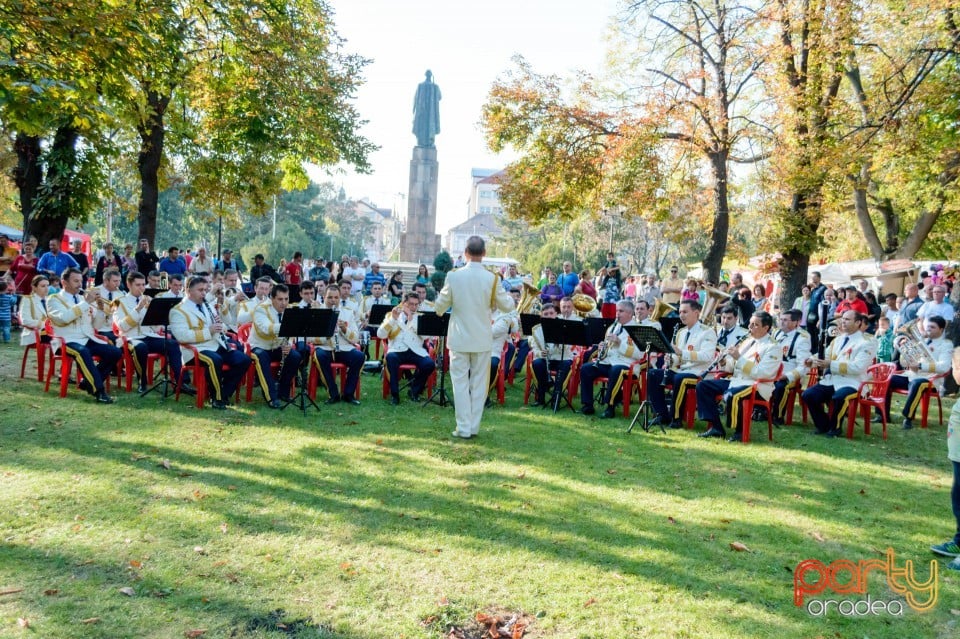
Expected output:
(49, 223)
(28, 175)
(795, 264)
(148, 163)
(713, 260)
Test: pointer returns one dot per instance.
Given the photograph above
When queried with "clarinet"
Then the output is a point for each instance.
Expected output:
(216, 320)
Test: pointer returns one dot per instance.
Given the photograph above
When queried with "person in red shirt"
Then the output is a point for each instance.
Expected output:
(23, 269)
(852, 302)
(293, 272)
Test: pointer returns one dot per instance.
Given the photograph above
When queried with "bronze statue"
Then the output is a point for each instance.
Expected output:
(426, 111)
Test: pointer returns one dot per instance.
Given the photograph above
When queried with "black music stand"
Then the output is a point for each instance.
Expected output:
(433, 325)
(294, 291)
(527, 322)
(158, 314)
(566, 333)
(650, 339)
(378, 312)
(303, 323)
(597, 328)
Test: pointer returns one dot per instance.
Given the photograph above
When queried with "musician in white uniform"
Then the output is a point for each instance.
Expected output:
(471, 293)
(375, 297)
(547, 357)
(405, 347)
(33, 314)
(615, 364)
(103, 307)
(143, 340)
(794, 344)
(194, 322)
(845, 365)
(339, 348)
(503, 324)
(757, 357)
(936, 360)
(729, 332)
(694, 347)
(245, 307)
(72, 317)
(267, 346)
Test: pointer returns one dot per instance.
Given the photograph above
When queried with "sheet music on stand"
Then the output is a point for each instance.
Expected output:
(566, 333)
(433, 325)
(649, 339)
(158, 314)
(378, 312)
(299, 324)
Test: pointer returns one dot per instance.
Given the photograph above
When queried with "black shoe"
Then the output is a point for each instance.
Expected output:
(103, 398)
(142, 388)
(414, 397)
(907, 423)
(218, 404)
(835, 432)
(713, 431)
(187, 389)
(676, 424)
(394, 400)
(274, 403)
(877, 419)
(539, 402)
(778, 422)
(333, 400)
(820, 432)
(488, 403)
(352, 401)
(657, 420)
(587, 410)
(84, 385)
(736, 437)
(607, 413)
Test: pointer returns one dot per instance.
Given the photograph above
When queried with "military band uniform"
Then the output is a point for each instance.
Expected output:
(72, 318)
(33, 315)
(795, 349)
(267, 347)
(470, 293)
(849, 356)
(759, 359)
(547, 357)
(405, 347)
(144, 340)
(503, 325)
(615, 366)
(339, 349)
(190, 324)
(698, 348)
(917, 383)
(102, 319)
(727, 337)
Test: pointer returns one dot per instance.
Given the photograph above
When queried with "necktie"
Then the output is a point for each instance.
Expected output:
(200, 306)
(109, 296)
(723, 337)
(686, 338)
(844, 344)
(43, 303)
(138, 300)
(75, 300)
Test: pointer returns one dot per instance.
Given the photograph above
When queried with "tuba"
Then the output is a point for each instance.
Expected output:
(912, 345)
(714, 298)
(583, 304)
(530, 303)
(661, 309)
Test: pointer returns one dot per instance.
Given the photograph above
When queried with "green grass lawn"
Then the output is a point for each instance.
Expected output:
(367, 522)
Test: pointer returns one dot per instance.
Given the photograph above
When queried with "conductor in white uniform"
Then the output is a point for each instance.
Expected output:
(471, 294)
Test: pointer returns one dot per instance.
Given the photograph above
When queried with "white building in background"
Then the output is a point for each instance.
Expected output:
(387, 229)
(483, 210)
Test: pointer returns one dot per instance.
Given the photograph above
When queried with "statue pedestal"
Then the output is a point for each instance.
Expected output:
(420, 242)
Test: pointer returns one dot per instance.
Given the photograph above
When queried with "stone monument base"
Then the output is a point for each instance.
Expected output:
(420, 242)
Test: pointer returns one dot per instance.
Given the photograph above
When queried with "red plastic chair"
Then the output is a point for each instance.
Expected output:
(338, 370)
(243, 336)
(406, 368)
(66, 365)
(43, 350)
(931, 392)
(872, 393)
(754, 400)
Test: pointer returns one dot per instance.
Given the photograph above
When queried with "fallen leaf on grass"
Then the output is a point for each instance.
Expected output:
(954, 611)
(135, 564)
(589, 602)
(13, 591)
(522, 475)
(199, 495)
(128, 591)
(199, 550)
(31, 429)
(231, 487)
(166, 464)
(379, 442)
(232, 578)
(428, 621)
(818, 536)
(671, 520)
(137, 457)
(23, 622)
(192, 634)
(611, 471)
(739, 547)
(224, 528)
(863, 492)
(90, 621)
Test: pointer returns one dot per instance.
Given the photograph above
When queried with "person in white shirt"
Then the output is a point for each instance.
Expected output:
(175, 282)
(339, 348)
(547, 357)
(754, 359)
(72, 317)
(916, 378)
(202, 264)
(615, 365)
(109, 293)
(936, 306)
(845, 365)
(405, 347)
(354, 274)
(245, 307)
(267, 347)
(471, 293)
(729, 332)
(794, 344)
